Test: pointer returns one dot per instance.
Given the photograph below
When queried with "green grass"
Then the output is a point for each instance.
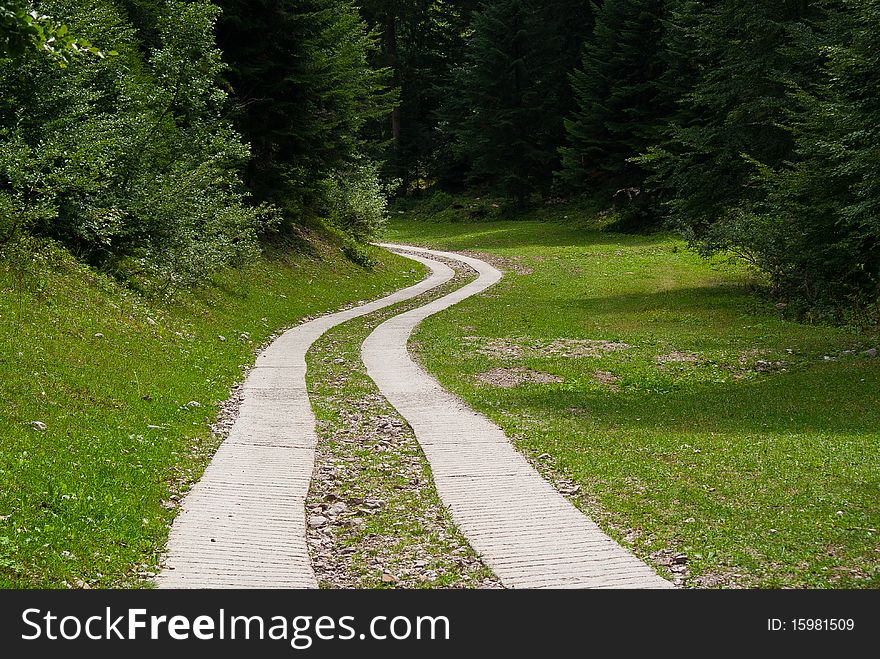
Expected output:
(89, 500)
(763, 474)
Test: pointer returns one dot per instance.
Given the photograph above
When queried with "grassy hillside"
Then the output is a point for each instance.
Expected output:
(716, 439)
(127, 388)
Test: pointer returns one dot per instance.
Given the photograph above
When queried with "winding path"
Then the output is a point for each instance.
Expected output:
(243, 524)
(524, 530)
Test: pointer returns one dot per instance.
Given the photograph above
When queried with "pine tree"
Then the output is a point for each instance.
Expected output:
(818, 234)
(421, 42)
(732, 117)
(621, 107)
(304, 88)
(505, 108)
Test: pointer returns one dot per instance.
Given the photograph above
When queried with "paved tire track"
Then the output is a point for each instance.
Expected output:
(525, 531)
(243, 524)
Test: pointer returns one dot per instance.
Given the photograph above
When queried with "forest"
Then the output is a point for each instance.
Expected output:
(440, 294)
(162, 140)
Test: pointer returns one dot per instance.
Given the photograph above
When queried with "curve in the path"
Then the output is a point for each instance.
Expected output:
(243, 524)
(526, 532)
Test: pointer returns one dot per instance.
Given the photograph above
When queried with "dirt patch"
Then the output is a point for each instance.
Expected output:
(505, 264)
(608, 379)
(677, 357)
(519, 348)
(507, 378)
(726, 579)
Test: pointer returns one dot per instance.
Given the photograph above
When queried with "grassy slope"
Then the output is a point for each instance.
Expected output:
(761, 478)
(82, 502)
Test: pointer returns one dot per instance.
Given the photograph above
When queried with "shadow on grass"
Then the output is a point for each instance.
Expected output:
(728, 298)
(518, 234)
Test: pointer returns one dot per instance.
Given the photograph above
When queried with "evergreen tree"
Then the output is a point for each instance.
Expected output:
(732, 117)
(818, 234)
(421, 42)
(621, 107)
(506, 110)
(304, 89)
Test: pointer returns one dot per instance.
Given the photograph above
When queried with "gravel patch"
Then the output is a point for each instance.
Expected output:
(507, 378)
(374, 517)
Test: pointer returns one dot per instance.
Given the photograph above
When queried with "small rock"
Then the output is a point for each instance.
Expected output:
(38, 425)
(98, 335)
(317, 521)
(871, 352)
(839, 513)
(389, 578)
(337, 509)
(221, 338)
(543, 456)
(150, 321)
(193, 404)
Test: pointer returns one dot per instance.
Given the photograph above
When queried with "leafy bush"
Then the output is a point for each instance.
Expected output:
(128, 160)
(357, 200)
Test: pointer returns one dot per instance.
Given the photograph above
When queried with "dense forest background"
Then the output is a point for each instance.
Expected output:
(162, 140)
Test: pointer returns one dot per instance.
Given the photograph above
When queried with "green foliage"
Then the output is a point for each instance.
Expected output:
(732, 115)
(304, 89)
(818, 234)
(421, 43)
(128, 160)
(358, 202)
(620, 107)
(505, 114)
(23, 29)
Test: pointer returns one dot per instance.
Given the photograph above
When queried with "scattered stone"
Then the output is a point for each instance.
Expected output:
(98, 335)
(518, 348)
(39, 425)
(221, 338)
(150, 321)
(317, 521)
(677, 357)
(192, 404)
(871, 352)
(337, 509)
(369, 484)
